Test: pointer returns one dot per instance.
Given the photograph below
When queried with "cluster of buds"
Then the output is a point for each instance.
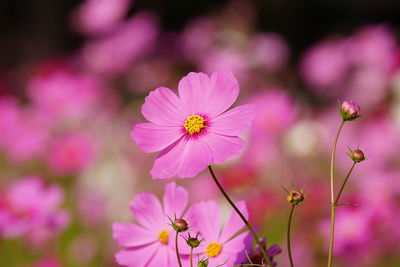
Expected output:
(350, 111)
(295, 197)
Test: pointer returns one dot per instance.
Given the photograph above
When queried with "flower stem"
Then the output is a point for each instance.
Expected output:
(177, 250)
(241, 216)
(288, 236)
(344, 184)
(333, 206)
(191, 256)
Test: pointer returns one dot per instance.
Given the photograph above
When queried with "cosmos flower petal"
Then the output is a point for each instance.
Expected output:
(175, 200)
(163, 107)
(152, 137)
(234, 248)
(136, 257)
(206, 219)
(210, 96)
(166, 163)
(195, 157)
(234, 121)
(131, 235)
(224, 147)
(226, 90)
(234, 222)
(194, 90)
(148, 211)
(160, 257)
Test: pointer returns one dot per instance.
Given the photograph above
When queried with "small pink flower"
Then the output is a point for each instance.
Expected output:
(71, 154)
(30, 209)
(150, 242)
(220, 245)
(193, 130)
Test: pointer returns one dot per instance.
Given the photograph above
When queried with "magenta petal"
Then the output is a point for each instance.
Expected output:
(167, 162)
(163, 107)
(234, 121)
(194, 90)
(226, 90)
(195, 157)
(234, 249)
(131, 235)
(148, 212)
(206, 219)
(224, 147)
(210, 96)
(160, 258)
(151, 137)
(175, 200)
(136, 257)
(234, 223)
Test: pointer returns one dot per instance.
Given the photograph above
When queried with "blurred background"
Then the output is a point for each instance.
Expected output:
(74, 74)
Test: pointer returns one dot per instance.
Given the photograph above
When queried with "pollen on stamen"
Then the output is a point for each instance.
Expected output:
(213, 249)
(194, 124)
(163, 237)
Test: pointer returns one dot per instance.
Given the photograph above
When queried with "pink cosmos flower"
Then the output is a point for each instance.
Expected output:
(150, 242)
(71, 153)
(192, 130)
(29, 208)
(220, 246)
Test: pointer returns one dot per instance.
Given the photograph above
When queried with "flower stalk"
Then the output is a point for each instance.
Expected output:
(177, 249)
(249, 227)
(288, 236)
(333, 206)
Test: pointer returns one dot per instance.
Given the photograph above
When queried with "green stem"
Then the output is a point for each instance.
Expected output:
(241, 216)
(288, 236)
(332, 234)
(344, 184)
(177, 250)
(191, 256)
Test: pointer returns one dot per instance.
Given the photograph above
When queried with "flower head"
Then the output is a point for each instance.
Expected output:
(149, 242)
(220, 246)
(357, 155)
(350, 110)
(30, 209)
(193, 130)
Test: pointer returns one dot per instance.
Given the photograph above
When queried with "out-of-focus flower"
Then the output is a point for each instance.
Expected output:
(150, 242)
(71, 154)
(30, 209)
(66, 96)
(113, 53)
(194, 130)
(111, 12)
(325, 65)
(220, 246)
(275, 113)
(269, 50)
(48, 262)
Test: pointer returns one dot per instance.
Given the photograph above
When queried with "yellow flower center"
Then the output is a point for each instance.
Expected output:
(163, 236)
(194, 124)
(213, 249)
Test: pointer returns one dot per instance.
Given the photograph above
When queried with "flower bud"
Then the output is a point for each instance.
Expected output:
(193, 242)
(357, 155)
(202, 263)
(295, 197)
(350, 110)
(180, 225)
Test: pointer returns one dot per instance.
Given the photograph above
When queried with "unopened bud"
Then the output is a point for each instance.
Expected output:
(357, 155)
(295, 197)
(193, 242)
(180, 225)
(350, 110)
(202, 263)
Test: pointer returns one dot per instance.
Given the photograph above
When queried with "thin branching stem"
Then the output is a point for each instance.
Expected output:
(288, 236)
(177, 250)
(241, 216)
